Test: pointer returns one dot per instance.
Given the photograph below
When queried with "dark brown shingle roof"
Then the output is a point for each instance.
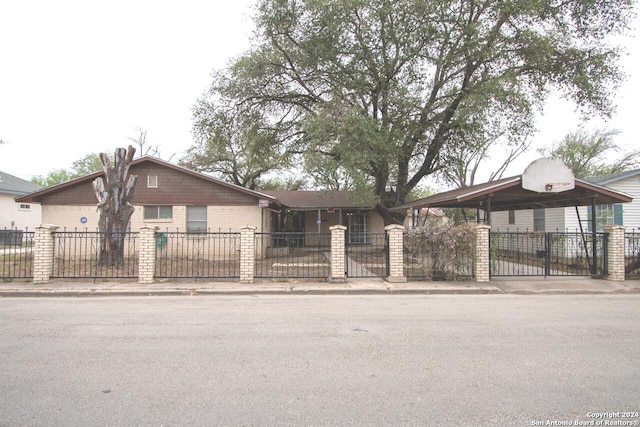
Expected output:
(302, 200)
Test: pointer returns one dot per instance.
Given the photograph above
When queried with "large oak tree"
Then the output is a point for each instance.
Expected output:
(383, 89)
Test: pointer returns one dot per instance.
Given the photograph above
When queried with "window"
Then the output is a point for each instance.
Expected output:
(512, 217)
(24, 207)
(358, 227)
(538, 220)
(606, 215)
(196, 219)
(158, 212)
(152, 181)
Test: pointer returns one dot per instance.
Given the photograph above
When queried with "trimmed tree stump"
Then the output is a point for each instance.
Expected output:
(114, 195)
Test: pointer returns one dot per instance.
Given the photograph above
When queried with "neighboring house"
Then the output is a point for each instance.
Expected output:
(178, 199)
(424, 216)
(566, 219)
(17, 215)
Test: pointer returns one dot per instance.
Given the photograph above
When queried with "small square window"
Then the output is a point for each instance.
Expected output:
(152, 181)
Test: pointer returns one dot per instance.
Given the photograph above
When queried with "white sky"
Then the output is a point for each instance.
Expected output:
(78, 77)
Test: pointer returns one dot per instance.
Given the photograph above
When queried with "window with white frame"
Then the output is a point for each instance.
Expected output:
(358, 226)
(512, 217)
(152, 181)
(24, 207)
(158, 212)
(196, 219)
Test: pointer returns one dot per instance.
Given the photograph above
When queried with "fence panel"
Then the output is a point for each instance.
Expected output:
(367, 255)
(293, 255)
(76, 255)
(425, 258)
(546, 254)
(16, 254)
(197, 255)
(632, 255)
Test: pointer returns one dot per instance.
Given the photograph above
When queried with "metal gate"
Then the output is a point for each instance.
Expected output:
(366, 254)
(547, 254)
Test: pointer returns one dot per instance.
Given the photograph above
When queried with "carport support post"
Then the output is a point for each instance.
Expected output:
(615, 252)
(147, 260)
(395, 234)
(43, 253)
(338, 267)
(247, 254)
(482, 267)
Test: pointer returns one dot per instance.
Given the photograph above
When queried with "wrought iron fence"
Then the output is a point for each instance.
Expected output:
(366, 254)
(16, 254)
(632, 255)
(78, 254)
(293, 255)
(546, 254)
(197, 255)
(428, 257)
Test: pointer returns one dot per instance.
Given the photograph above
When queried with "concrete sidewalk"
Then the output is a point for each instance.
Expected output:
(511, 285)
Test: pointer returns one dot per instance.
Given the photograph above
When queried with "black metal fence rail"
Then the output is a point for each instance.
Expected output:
(366, 255)
(16, 254)
(77, 255)
(292, 255)
(197, 255)
(632, 255)
(425, 258)
(546, 254)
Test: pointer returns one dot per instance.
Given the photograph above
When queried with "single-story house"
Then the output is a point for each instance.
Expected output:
(567, 219)
(13, 214)
(175, 198)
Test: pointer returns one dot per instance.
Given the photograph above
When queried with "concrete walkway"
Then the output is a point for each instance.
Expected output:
(562, 285)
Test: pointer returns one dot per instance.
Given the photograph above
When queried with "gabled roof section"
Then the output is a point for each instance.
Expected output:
(310, 200)
(35, 196)
(508, 194)
(14, 185)
(613, 177)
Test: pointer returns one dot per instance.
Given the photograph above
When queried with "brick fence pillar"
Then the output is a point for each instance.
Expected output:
(247, 254)
(395, 233)
(615, 252)
(43, 253)
(338, 268)
(147, 254)
(481, 265)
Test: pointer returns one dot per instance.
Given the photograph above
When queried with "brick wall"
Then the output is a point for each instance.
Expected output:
(615, 252)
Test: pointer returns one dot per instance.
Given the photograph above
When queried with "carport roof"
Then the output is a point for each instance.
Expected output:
(508, 194)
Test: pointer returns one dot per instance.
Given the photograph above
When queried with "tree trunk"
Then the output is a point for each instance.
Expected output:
(114, 195)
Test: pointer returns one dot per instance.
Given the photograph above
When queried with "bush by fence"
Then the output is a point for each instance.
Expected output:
(440, 253)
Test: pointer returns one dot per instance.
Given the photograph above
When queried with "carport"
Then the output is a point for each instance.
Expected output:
(510, 194)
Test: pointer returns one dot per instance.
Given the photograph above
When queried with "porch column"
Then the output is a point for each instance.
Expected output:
(615, 252)
(338, 270)
(147, 257)
(481, 265)
(395, 233)
(43, 253)
(247, 254)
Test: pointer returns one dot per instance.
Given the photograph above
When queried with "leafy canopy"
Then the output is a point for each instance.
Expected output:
(372, 92)
(591, 154)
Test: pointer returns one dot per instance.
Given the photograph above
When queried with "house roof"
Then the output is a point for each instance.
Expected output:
(14, 185)
(310, 200)
(613, 177)
(38, 195)
(508, 194)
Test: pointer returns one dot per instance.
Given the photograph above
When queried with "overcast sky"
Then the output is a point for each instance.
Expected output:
(79, 77)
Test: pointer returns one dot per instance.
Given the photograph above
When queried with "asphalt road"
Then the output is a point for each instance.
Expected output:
(452, 360)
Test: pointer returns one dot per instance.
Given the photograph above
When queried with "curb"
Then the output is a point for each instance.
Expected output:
(97, 293)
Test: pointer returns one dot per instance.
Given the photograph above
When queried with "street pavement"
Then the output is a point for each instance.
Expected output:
(500, 285)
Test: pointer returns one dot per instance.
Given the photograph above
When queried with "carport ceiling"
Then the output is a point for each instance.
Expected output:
(508, 194)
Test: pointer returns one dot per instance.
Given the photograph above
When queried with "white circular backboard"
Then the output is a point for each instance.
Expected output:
(547, 175)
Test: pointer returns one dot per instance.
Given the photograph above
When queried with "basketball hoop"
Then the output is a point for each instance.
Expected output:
(547, 175)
